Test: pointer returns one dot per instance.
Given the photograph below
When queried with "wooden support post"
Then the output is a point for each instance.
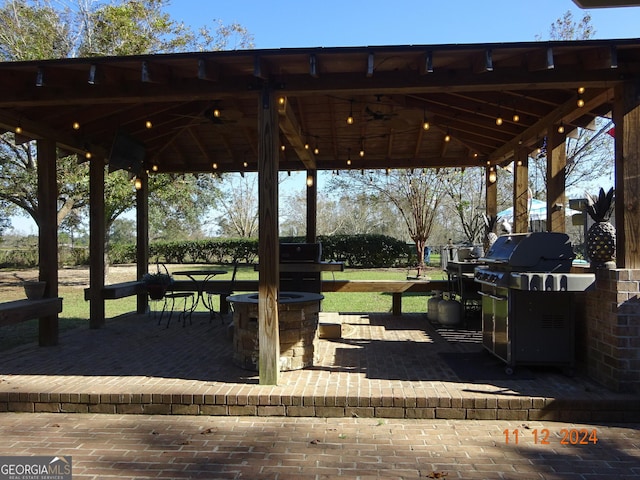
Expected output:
(312, 205)
(396, 304)
(268, 242)
(491, 195)
(556, 165)
(142, 237)
(48, 235)
(626, 116)
(521, 192)
(97, 231)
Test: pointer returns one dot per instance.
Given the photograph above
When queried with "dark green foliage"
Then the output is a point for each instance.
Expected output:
(355, 250)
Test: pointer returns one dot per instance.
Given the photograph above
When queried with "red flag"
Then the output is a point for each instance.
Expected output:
(612, 132)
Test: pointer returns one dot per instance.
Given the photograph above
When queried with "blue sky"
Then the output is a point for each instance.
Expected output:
(333, 23)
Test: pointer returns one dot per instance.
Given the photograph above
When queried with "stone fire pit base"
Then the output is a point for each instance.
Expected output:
(298, 327)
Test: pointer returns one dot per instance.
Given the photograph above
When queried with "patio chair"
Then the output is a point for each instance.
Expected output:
(222, 294)
(171, 297)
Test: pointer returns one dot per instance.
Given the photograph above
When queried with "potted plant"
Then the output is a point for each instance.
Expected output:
(34, 289)
(156, 284)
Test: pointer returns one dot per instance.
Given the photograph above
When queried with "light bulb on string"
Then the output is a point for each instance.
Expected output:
(350, 117)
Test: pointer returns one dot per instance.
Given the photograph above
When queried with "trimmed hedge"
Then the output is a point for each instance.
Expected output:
(370, 251)
(354, 250)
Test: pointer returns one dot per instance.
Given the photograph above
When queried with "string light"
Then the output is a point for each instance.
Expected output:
(154, 167)
(18, 129)
(350, 117)
(516, 117)
(447, 137)
(75, 126)
(499, 120)
(425, 121)
(138, 183)
(349, 157)
(309, 181)
(561, 128)
(580, 102)
(148, 124)
(214, 165)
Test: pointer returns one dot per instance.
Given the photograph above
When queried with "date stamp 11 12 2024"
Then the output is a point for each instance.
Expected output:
(544, 436)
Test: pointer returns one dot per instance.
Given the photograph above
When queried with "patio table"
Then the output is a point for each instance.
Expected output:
(200, 277)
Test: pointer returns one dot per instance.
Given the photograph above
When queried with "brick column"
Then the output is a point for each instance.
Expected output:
(612, 337)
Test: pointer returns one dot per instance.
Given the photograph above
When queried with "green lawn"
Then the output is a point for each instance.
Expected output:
(76, 310)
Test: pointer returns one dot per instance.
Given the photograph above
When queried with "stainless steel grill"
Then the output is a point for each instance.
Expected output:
(527, 299)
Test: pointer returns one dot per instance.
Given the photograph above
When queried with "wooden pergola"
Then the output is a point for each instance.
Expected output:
(288, 109)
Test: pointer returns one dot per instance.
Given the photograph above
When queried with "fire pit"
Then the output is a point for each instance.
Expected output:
(297, 322)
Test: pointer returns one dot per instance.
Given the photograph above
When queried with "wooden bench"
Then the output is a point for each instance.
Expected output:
(395, 287)
(46, 309)
(117, 290)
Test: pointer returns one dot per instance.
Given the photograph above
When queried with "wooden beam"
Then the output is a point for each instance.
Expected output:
(97, 231)
(556, 168)
(312, 205)
(268, 244)
(153, 73)
(142, 237)
(260, 68)
(540, 60)
(48, 234)
(291, 129)
(521, 192)
(600, 58)
(208, 71)
(627, 160)
(370, 65)
(566, 112)
(427, 64)
(491, 195)
(313, 66)
(485, 63)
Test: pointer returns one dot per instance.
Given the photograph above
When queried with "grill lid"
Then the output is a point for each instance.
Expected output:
(534, 252)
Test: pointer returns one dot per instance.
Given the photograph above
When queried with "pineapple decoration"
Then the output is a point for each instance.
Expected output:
(601, 237)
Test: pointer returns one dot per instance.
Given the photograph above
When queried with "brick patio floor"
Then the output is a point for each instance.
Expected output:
(184, 446)
(383, 366)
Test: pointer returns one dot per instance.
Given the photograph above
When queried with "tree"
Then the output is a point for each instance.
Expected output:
(238, 204)
(415, 196)
(348, 213)
(41, 29)
(465, 188)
